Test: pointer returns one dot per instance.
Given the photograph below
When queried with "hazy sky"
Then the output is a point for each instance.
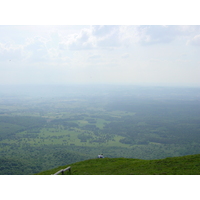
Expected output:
(157, 55)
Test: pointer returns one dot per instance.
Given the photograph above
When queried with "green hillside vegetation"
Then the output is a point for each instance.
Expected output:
(16, 167)
(185, 165)
(40, 132)
(46, 160)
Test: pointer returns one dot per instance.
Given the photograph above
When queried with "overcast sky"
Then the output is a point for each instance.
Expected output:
(151, 55)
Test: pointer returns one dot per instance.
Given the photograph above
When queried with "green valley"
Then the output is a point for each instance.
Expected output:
(43, 128)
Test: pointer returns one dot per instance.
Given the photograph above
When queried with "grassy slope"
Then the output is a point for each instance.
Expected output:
(185, 165)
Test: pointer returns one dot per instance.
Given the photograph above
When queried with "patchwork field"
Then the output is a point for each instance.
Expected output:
(45, 132)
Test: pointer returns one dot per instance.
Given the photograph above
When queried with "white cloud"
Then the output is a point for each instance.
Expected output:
(107, 36)
(125, 55)
(102, 30)
(10, 52)
(94, 37)
(149, 35)
(36, 49)
(80, 41)
(112, 37)
(157, 34)
(94, 57)
(105, 53)
(195, 40)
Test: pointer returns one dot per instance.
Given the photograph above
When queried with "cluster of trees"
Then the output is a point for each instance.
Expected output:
(160, 122)
(9, 126)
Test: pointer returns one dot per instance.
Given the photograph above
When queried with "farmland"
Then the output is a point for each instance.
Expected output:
(44, 128)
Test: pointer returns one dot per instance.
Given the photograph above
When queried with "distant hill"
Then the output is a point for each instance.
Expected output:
(185, 165)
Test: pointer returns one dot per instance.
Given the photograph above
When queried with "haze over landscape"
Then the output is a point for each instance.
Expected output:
(138, 55)
(69, 93)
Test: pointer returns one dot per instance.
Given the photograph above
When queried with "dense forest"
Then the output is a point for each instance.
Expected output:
(47, 127)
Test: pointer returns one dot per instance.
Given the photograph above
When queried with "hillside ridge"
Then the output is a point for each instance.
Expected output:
(184, 165)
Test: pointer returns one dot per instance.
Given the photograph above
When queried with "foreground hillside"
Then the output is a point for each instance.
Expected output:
(185, 165)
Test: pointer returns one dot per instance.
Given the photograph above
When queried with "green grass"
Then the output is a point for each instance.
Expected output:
(185, 165)
(100, 123)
